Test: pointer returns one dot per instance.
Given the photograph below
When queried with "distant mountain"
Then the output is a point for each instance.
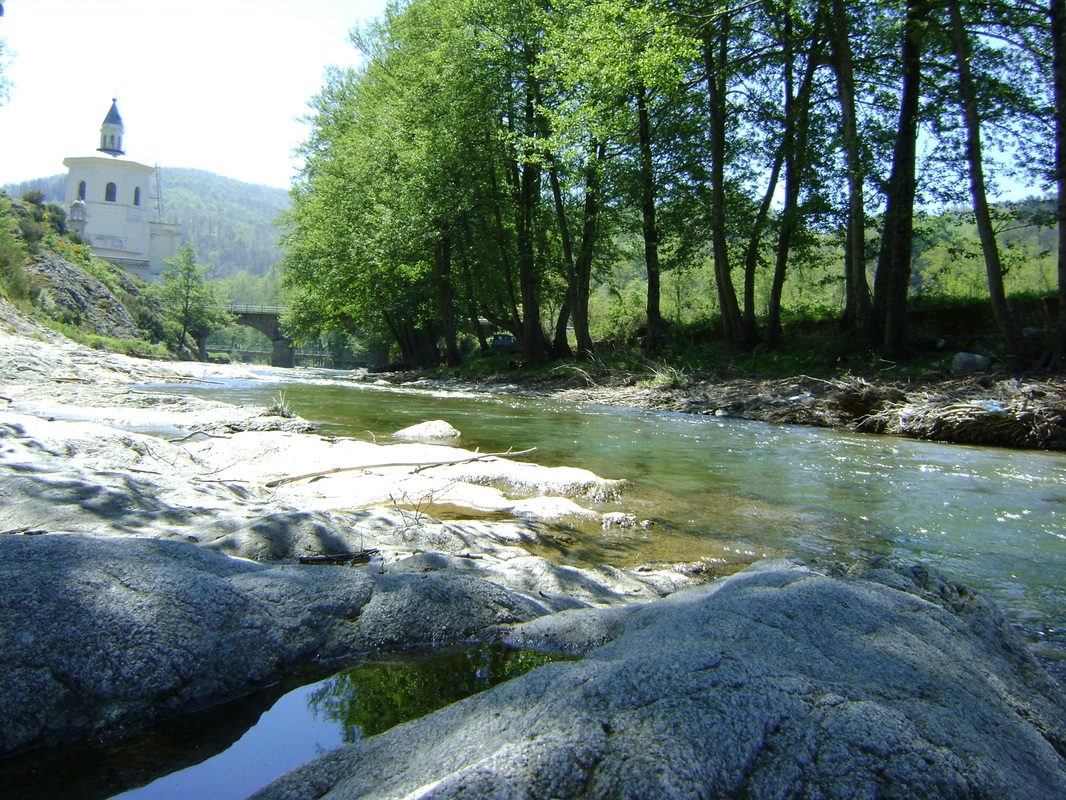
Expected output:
(231, 223)
(52, 187)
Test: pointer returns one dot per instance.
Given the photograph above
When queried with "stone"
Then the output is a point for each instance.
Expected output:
(100, 637)
(85, 299)
(432, 430)
(968, 363)
(781, 681)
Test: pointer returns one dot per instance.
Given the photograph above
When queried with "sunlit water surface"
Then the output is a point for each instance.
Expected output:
(733, 491)
(725, 491)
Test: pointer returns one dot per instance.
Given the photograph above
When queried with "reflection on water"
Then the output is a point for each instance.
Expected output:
(371, 698)
(229, 753)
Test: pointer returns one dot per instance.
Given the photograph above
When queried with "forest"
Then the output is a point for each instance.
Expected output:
(499, 166)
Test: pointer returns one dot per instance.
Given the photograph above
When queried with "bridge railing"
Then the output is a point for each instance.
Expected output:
(243, 308)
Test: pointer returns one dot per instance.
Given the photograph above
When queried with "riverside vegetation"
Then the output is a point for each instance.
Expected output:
(815, 377)
(181, 555)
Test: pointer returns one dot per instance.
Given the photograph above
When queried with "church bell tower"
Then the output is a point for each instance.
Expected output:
(111, 132)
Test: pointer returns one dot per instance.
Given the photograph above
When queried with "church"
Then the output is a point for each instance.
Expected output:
(107, 201)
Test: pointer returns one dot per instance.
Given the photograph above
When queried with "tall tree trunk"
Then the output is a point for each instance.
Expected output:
(446, 299)
(1008, 325)
(751, 254)
(716, 64)
(583, 265)
(1057, 14)
(858, 309)
(535, 346)
(892, 279)
(797, 133)
(656, 330)
(560, 343)
(579, 264)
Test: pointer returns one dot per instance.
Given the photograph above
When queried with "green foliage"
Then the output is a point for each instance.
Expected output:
(370, 699)
(139, 348)
(189, 304)
(232, 224)
(13, 281)
(37, 219)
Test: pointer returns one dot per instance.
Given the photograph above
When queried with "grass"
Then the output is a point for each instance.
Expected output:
(130, 347)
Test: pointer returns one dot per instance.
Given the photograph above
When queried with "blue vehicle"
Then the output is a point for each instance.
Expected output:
(505, 343)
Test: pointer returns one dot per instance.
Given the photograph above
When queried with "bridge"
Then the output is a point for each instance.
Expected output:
(266, 320)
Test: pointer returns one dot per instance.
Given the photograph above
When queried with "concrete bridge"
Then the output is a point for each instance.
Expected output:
(266, 320)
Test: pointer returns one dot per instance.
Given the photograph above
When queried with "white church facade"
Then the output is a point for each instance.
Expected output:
(107, 201)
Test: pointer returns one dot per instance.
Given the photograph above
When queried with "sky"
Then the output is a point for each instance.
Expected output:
(217, 85)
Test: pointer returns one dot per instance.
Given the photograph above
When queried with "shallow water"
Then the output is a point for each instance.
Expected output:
(731, 491)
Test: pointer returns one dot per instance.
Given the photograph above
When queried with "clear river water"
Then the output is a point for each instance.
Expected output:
(725, 491)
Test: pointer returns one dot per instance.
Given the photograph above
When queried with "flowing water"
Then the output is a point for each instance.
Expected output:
(724, 491)
(731, 491)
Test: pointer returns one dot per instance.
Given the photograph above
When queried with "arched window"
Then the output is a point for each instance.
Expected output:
(111, 193)
(137, 196)
(82, 189)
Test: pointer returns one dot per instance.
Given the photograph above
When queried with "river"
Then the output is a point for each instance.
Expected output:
(723, 491)
(731, 491)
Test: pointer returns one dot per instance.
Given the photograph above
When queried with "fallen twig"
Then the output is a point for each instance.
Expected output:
(25, 530)
(421, 465)
(362, 557)
(198, 433)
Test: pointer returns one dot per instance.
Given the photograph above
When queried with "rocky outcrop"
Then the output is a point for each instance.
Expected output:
(103, 636)
(780, 681)
(81, 298)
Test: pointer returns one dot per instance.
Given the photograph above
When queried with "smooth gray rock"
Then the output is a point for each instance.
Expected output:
(967, 363)
(102, 636)
(779, 682)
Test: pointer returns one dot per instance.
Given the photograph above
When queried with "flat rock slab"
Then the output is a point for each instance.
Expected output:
(103, 636)
(778, 682)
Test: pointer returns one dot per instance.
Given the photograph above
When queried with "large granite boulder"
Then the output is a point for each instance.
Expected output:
(779, 682)
(103, 636)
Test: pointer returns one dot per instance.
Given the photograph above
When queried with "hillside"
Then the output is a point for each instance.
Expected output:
(231, 223)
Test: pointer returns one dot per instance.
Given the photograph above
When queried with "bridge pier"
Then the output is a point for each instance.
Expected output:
(283, 354)
(266, 320)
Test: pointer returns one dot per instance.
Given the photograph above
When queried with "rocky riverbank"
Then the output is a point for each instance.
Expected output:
(146, 538)
(153, 555)
(974, 408)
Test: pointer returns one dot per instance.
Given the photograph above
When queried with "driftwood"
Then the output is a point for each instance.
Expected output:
(421, 465)
(362, 557)
(198, 433)
(25, 530)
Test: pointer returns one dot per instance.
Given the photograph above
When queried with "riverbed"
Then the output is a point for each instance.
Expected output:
(728, 492)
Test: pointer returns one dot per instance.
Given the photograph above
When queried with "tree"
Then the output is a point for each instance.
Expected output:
(893, 274)
(858, 310)
(189, 303)
(968, 97)
(1057, 14)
